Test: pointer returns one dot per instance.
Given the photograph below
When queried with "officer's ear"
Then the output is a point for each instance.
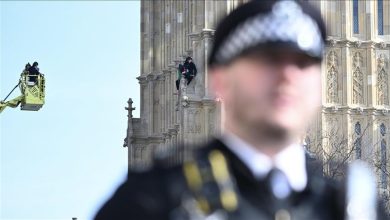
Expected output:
(217, 81)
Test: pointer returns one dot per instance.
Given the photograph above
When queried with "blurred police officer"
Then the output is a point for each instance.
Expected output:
(265, 67)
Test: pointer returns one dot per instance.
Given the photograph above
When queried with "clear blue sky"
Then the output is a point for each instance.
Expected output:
(66, 159)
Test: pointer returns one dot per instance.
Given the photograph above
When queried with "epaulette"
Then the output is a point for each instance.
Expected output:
(209, 181)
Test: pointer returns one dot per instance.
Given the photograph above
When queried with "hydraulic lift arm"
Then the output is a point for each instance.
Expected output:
(13, 103)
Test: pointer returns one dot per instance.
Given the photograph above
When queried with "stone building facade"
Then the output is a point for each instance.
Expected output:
(355, 117)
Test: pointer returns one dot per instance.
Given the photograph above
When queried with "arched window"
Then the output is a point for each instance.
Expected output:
(380, 16)
(383, 129)
(383, 164)
(355, 12)
(358, 141)
(358, 128)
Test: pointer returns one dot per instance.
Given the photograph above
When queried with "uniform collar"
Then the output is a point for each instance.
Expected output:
(291, 160)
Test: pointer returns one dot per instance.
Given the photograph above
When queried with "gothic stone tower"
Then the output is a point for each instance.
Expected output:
(355, 118)
(170, 31)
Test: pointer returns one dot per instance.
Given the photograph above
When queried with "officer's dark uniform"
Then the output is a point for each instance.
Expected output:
(161, 192)
(216, 183)
(165, 193)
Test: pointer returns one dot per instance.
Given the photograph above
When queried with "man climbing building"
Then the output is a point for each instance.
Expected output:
(189, 69)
